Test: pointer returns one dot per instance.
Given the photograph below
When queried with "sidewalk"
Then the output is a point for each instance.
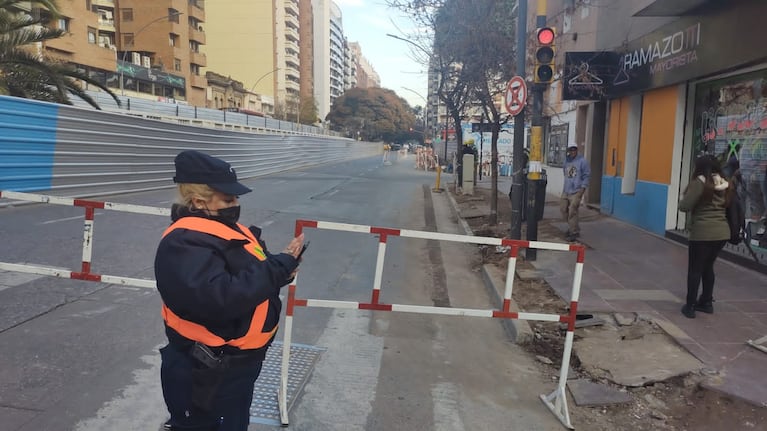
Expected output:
(630, 270)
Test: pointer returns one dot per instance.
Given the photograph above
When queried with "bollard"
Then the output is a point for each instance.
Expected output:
(437, 188)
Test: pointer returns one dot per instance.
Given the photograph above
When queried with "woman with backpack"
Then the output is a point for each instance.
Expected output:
(704, 201)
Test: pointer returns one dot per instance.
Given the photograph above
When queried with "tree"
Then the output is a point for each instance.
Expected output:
(488, 62)
(372, 114)
(473, 64)
(308, 112)
(27, 72)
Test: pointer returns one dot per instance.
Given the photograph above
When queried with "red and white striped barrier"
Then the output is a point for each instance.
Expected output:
(90, 208)
(556, 401)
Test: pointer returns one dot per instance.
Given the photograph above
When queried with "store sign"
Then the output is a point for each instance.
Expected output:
(692, 47)
(145, 74)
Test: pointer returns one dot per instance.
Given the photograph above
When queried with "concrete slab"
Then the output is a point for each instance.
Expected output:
(625, 319)
(588, 393)
(530, 274)
(472, 212)
(634, 362)
(742, 378)
(636, 294)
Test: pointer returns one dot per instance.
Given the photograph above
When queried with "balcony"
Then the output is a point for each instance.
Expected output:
(291, 7)
(291, 33)
(107, 3)
(107, 25)
(292, 19)
(197, 12)
(197, 35)
(198, 81)
(292, 85)
(198, 58)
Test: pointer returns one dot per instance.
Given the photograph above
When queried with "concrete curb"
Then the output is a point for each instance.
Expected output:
(518, 331)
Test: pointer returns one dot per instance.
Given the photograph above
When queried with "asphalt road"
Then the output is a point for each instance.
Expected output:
(83, 356)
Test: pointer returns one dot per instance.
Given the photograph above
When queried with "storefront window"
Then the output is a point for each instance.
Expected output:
(731, 123)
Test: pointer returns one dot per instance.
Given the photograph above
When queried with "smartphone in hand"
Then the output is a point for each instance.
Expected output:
(303, 249)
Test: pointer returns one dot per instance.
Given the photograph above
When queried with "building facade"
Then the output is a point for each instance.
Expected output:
(653, 85)
(117, 44)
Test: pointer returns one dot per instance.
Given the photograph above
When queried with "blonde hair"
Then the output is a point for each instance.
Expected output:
(188, 191)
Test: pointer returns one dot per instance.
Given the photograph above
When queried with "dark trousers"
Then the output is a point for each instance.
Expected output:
(230, 391)
(700, 267)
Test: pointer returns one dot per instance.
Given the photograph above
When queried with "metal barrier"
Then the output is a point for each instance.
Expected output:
(68, 151)
(555, 401)
(85, 270)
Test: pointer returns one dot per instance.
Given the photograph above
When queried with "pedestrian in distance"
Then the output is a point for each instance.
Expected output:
(220, 298)
(705, 200)
(577, 174)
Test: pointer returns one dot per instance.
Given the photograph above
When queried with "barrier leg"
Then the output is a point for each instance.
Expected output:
(559, 398)
(282, 391)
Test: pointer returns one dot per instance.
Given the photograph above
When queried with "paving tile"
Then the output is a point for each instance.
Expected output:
(628, 306)
(737, 378)
(749, 306)
(588, 393)
(636, 294)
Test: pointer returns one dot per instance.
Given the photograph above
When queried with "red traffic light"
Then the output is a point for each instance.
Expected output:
(545, 36)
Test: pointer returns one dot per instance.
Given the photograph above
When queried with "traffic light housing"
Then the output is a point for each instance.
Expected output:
(543, 72)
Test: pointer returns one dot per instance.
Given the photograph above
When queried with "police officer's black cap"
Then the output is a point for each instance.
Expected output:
(199, 168)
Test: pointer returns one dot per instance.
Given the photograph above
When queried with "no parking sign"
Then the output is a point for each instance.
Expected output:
(516, 95)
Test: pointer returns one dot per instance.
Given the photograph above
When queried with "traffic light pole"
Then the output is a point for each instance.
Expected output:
(518, 147)
(536, 186)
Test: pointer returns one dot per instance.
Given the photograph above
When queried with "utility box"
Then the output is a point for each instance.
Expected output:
(468, 174)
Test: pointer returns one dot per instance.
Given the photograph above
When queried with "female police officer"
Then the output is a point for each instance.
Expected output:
(219, 286)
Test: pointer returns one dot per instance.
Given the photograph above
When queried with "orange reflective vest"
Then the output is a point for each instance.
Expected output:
(254, 338)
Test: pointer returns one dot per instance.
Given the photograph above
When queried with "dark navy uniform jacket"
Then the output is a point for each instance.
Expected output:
(217, 283)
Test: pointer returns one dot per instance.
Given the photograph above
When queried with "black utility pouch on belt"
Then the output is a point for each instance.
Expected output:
(207, 378)
(206, 356)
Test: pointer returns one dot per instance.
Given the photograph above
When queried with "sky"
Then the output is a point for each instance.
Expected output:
(367, 22)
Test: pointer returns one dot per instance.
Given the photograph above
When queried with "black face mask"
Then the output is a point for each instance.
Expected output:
(228, 215)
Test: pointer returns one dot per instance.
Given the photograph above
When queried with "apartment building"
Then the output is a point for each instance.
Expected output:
(363, 73)
(328, 54)
(162, 36)
(117, 44)
(257, 42)
(647, 86)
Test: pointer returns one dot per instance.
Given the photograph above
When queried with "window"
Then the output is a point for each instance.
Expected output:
(87, 4)
(173, 39)
(177, 64)
(63, 24)
(128, 39)
(194, 69)
(91, 35)
(173, 15)
(127, 14)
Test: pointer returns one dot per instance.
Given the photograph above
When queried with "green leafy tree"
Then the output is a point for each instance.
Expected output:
(25, 71)
(372, 114)
(309, 113)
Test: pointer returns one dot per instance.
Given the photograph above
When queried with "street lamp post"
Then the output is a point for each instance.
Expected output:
(426, 107)
(253, 87)
(133, 43)
(430, 56)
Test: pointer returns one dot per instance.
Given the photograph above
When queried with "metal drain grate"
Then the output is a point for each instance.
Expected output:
(265, 408)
